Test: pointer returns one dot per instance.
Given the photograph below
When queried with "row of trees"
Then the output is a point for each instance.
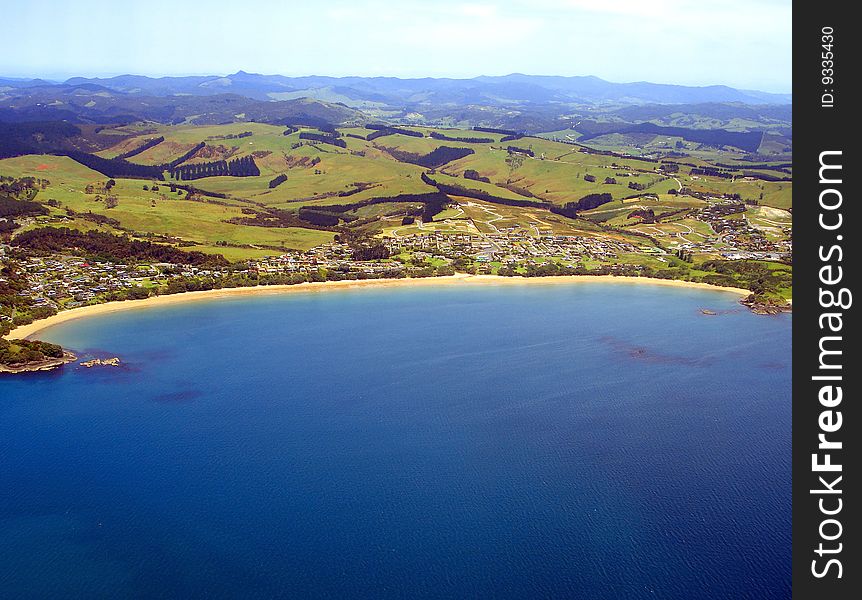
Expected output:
(474, 175)
(516, 150)
(116, 167)
(332, 215)
(436, 158)
(243, 166)
(458, 190)
(711, 172)
(114, 248)
(383, 130)
(331, 139)
(463, 140)
(145, 146)
(500, 131)
(12, 208)
(749, 140)
(184, 157)
(590, 201)
(277, 181)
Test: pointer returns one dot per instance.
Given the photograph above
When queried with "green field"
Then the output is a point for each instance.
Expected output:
(159, 213)
(320, 174)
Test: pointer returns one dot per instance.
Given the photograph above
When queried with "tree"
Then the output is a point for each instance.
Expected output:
(514, 161)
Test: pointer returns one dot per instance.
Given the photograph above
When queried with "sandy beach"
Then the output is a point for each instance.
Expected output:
(28, 331)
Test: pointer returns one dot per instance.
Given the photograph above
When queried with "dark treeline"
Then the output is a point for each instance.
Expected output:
(765, 176)
(331, 215)
(197, 191)
(243, 166)
(296, 123)
(463, 140)
(516, 150)
(323, 138)
(277, 181)
(370, 252)
(521, 191)
(721, 167)
(289, 131)
(12, 208)
(145, 146)
(436, 158)
(383, 131)
(94, 218)
(671, 214)
(321, 217)
(34, 137)
(500, 131)
(359, 186)
(711, 172)
(232, 136)
(119, 167)
(114, 248)
(474, 175)
(274, 217)
(783, 167)
(571, 209)
(748, 141)
(434, 202)
(458, 190)
(588, 150)
(115, 167)
(645, 215)
(184, 157)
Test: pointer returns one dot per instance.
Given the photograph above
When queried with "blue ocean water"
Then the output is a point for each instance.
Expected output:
(569, 441)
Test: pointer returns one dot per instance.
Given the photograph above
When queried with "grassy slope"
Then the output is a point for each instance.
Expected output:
(560, 181)
(556, 174)
(199, 222)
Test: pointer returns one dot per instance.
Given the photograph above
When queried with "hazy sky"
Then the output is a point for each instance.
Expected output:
(742, 43)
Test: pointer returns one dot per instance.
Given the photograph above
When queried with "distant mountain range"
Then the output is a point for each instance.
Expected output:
(393, 91)
(522, 102)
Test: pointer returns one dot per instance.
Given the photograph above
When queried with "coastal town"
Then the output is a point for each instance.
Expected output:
(65, 281)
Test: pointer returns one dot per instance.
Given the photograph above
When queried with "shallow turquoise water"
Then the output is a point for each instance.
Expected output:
(572, 441)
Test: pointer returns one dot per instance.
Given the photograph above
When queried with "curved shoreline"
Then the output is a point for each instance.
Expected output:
(26, 331)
